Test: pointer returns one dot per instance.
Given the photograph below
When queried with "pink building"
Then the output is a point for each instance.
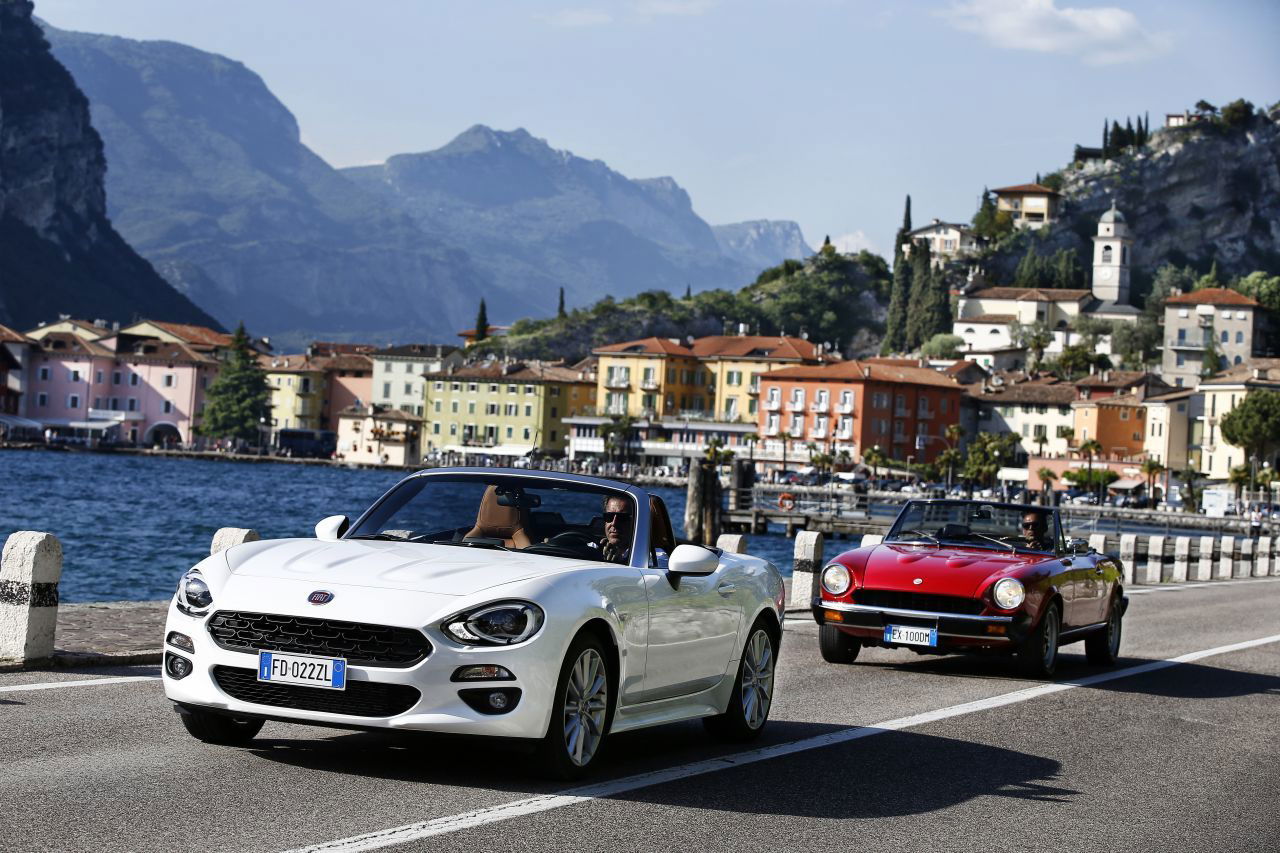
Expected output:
(348, 383)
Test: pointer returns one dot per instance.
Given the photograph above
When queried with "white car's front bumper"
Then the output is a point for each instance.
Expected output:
(438, 706)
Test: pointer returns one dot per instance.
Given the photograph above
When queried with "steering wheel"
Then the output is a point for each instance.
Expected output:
(572, 539)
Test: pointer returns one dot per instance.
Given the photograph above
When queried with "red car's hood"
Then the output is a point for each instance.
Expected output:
(946, 570)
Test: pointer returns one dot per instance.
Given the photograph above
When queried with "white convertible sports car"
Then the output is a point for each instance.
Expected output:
(482, 601)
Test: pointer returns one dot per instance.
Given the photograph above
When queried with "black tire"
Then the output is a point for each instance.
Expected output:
(1038, 653)
(553, 754)
(748, 711)
(837, 646)
(220, 729)
(1102, 648)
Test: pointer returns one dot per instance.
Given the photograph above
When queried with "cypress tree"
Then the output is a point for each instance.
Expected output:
(1131, 138)
(482, 323)
(688, 291)
(1106, 141)
(906, 214)
(895, 332)
(239, 398)
(560, 308)
(939, 307)
(1028, 271)
(1117, 137)
(919, 321)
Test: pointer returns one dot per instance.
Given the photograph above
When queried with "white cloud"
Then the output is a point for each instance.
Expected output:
(673, 7)
(577, 18)
(854, 241)
(1103, 35)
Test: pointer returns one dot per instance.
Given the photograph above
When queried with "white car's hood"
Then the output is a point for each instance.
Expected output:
(437, 569)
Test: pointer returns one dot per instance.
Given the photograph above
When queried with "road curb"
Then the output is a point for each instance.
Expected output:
(66, 660)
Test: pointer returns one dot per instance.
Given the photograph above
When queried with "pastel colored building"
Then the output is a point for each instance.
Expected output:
(373, 436)
(1222, 393)
(1036, 408)
(1030, 205)
(736, 362)
(297, 384)
(1219, 316)
(398, 371)
(348, 382)
(946, 240)
(1170, 417)
(652, 378)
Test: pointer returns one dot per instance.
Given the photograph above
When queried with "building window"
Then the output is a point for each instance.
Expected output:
(133, 379)
(526, 433)
(512, 389)
(528, 412)
(167, 407)
(115, 377)
(453, 429)
(1182, 312)
(408, 388)
(97, 377)
(44, 374)
(436, 406)
(73, 401)
(435, 428)
(132, 404)
(1182, 360)
(387, 367)
(386, 390)
(168, 381)
(1226, 336)
(1239, 338)
(1106, 254)
(453, 407)
(554, 435)
(42, 399)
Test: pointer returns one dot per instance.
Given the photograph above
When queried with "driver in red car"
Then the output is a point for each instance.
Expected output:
(1035, 530)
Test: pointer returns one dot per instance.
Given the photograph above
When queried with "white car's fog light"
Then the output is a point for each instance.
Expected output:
(176, 666)
(1008, 593)
(498, 700)
(180, 641)
(836, 579)
(497, 624)
(491, 700)
(483, 672)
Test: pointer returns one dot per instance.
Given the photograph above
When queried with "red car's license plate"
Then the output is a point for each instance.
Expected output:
(910, 635)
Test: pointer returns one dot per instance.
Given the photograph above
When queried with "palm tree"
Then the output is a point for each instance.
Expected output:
(785, 435)
(1091, 447)
(751, 439)
(874, 457)
(1238, 477)
(1151, 469)
(1047, 478)
(1190, 501)
(1041, 440)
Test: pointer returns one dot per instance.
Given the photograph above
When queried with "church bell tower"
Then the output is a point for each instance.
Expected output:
(1111, 247)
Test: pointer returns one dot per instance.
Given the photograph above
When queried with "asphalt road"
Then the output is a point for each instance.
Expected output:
(896, 753)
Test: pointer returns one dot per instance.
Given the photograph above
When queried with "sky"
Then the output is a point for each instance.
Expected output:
(827, 112)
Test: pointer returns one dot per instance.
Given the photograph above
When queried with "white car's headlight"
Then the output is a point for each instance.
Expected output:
(836, 579)
(1008, 593)
(500, 624)
(194, 596)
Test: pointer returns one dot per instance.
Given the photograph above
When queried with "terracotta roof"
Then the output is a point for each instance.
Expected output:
(1001, 319)
(863, 371)
(415, 351)
(300, 363)
(1031, 294)
(648, 346)
(199, 335)
(1177, 394)
(1045, 390)
(533, 371)
(1267, 370)
(1212, 296)
(755, 346)
(1112, 379)
(381, 414)
(961, 366)
(343, 361)
(331, 348)
(1129, 400)
(9, 336)
(155, 349)
(1026, 188)
(72, 344)
(900, 362)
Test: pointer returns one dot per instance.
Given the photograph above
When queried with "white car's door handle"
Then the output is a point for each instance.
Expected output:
(727, 588)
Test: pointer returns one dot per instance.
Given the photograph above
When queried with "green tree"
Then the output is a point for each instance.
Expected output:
(1190, 496)
(1066, 272)
(920, 321)
(1211, 361)
(482, 323)
(239, 398)
(1047, 478)
(1254, 425)
(1151, 469)
(560, 312)
(874, 457)
(1029, 271)
(1091, 447)
(942, 345)
(1210, 279)
(1075, 361)
(895, 334)
(1238, 478)
(1034, 337)
(1263, 287)
(1238, 113)
(986, 454)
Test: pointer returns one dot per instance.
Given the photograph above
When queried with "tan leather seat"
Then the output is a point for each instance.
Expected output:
(494, 521)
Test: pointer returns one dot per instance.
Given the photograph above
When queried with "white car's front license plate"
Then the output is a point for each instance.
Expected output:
(910, 635)
(281, 668)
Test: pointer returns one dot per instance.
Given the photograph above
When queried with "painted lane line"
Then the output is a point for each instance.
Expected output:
(89, 682)
(548, 802)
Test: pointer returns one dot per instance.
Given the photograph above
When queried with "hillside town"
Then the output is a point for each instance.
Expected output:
(990, 416)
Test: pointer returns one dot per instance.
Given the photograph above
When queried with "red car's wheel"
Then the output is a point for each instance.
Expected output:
(837, 646)
(1038, 654)
(1102, 648)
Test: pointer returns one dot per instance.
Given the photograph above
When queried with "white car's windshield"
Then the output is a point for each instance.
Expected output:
(975, 523)
(506, 512)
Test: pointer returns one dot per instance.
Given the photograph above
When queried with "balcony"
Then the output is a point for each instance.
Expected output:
(901, 413)
(753, 388)
(620, 383)
(925, 415)
(772, 405)
(771, 430)
(820, 406)
(844, 408)
(818, 433)
(648, 384)
(795, 405)
(615, 410)
(844, 435)
(1186, 345)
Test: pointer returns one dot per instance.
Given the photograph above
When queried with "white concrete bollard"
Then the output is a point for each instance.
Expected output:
(869, 539)
(1244, 565)
(1128, 555)
(1275, 557)
(1263, 567)
(1152, 569)
(1227, 557)
(1098, 542)
(734, 543)
(1177, 573)
(807, 568)
(30, 569)
(1203, 569)
(228, 536)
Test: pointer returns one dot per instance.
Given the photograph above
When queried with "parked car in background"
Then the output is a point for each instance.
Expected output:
(971, 576)
(553, 608)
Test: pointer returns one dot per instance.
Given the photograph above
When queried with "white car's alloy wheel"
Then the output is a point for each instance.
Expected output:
(586, 704)
(757, 679)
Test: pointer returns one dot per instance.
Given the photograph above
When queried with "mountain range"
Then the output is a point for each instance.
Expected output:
(210, 181)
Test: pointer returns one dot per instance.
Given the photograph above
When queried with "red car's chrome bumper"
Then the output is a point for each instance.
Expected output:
(954, 629)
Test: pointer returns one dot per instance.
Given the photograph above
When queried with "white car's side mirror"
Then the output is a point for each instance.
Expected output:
(332, 528)
(692, 560)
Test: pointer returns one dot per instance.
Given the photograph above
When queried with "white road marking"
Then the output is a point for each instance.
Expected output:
(548, 802)
(1181, 586)
(88, 682)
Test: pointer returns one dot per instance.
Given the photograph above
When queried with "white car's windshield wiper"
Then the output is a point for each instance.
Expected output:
(383, 537)
(475, 543)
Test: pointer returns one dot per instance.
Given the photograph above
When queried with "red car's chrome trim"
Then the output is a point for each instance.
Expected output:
(894, 611)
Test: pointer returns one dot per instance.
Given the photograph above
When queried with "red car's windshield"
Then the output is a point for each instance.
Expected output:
(975, 523)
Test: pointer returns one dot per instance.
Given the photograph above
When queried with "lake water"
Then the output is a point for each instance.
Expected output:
(131, 525)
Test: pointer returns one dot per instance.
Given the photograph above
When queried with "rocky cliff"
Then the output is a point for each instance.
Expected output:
(58, 251)
(762, 242)
(1191, 196)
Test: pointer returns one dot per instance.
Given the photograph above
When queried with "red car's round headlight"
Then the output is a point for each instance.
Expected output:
(1008, 593)
(836, 579)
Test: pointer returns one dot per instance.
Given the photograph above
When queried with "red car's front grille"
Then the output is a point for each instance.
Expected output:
(918, 601)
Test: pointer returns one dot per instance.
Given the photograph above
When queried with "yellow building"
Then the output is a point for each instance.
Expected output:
(652, 378)
(1030, 205)
(1222, 393)
(735, 363)
(507, 410)
(297, 391)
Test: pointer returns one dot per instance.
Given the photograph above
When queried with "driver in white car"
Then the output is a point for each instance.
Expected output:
(618, 527)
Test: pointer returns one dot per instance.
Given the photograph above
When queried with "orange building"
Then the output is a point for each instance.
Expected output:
(856, 405)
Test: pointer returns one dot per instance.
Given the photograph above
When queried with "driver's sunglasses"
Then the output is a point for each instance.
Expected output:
(1027, 524)
(611, 517)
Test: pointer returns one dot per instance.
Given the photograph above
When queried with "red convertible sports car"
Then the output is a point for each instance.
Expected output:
(971, 576)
